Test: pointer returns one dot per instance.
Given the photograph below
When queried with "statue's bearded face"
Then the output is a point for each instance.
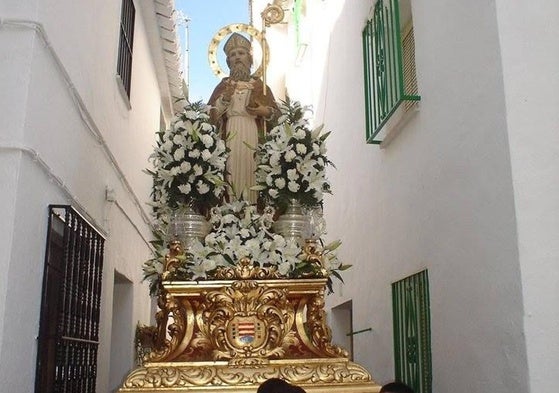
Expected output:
(239, 61)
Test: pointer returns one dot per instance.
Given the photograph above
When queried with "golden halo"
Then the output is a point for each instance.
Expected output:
(236, 28)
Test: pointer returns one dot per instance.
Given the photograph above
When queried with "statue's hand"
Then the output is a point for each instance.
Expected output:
(259, 110)
(228, 92)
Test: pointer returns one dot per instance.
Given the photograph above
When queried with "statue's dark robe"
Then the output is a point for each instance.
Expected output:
(257, 97)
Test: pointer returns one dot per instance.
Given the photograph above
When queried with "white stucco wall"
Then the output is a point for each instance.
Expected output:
(439, 197)
(40, 115)
(15, 78)
(527, 35)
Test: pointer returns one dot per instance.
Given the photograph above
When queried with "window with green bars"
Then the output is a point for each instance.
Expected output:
(389, 66)
(126, 44)
(412, 332)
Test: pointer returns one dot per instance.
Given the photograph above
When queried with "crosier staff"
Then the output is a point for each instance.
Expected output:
(271, 15)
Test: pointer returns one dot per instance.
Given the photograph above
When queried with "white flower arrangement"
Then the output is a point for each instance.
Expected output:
(188, 162)
(292, 162)
(189, 170)
(239, 231)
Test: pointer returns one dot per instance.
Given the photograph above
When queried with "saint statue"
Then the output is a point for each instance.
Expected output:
(240, 110)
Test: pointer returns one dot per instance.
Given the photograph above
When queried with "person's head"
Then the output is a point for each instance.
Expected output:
(239, 57)
(396, 387)
(277, 385)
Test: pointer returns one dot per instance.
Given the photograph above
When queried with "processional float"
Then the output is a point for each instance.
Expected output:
(246, 321)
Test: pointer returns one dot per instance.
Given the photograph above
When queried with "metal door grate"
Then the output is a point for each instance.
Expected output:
(412, 331)
(70, 308)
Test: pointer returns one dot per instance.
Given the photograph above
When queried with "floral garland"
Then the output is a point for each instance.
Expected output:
(292, 161)
(188, 162)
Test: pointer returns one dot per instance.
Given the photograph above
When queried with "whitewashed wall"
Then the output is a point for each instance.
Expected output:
(467, 190)
(38, 114)
(527, 35)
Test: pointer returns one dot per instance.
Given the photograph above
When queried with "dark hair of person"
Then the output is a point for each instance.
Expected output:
(277, 385)
(396, 387)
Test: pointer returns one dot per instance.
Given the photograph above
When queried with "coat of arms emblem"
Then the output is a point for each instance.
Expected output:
(245, 331)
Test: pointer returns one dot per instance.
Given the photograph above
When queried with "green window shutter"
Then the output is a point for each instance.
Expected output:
(387, 69)
(410, 78)
(412, 332)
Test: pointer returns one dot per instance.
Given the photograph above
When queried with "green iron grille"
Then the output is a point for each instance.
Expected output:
(383, 68)
(412, 332)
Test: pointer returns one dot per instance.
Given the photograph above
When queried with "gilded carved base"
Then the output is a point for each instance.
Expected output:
(234, 334)
(329, 375)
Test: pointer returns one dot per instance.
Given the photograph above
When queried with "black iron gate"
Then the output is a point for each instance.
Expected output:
(71, 299)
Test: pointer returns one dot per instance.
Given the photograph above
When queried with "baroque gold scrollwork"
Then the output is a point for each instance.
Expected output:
(245, 269)
(246, 321)
(167, 377)
(312, 253)
(172, 259)
(338, 372)
(191, 376)
(236, 334)
(320, 333)
(165, 347)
